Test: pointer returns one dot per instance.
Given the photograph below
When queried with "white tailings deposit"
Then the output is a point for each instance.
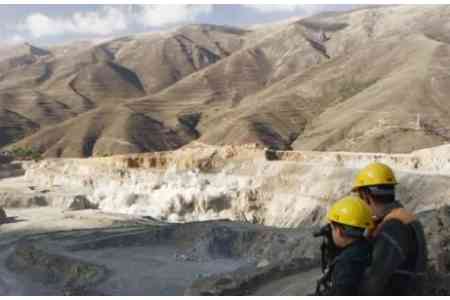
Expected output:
(244, 183)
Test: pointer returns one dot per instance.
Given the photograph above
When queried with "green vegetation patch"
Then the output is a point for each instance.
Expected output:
(20, 153)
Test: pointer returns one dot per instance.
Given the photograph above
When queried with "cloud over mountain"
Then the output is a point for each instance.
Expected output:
(161, 15)
(111, 19)
(105, 21)
(288, 8)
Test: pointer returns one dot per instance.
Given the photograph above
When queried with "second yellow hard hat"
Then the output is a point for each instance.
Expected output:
(374, 174)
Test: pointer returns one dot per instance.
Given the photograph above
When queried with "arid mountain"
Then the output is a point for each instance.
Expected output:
(49, 88)
(374, 79)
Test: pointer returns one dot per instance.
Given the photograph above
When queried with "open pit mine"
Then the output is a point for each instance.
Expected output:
(201, 220)
(199, 159)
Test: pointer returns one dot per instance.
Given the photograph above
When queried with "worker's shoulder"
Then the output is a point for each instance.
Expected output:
(358, 251)
(393, 226)
(395, 232)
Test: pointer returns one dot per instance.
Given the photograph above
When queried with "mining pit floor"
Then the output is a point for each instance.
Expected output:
(48, 251)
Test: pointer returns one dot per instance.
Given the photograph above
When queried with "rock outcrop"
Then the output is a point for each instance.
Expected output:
(3, 217)
(277, 188)
(11, 170)
(5, 158)
(81, 202)
(246, 280)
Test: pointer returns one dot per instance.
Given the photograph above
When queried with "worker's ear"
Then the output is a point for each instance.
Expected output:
(370, 200)
(340, 231)
(363, 194)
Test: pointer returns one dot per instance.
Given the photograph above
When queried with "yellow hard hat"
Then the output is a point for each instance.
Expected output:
(374, 174)
(352, 211)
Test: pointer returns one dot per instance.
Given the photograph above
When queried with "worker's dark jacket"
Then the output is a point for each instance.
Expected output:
(398, 256)
(348, 268)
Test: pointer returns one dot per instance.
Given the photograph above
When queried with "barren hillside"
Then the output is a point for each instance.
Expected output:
(374, 79)
(43, 89)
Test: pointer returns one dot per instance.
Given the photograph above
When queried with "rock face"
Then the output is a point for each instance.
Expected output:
(436, 225)
(81, 202)
(11, 170)
(246, 280)
(276, 188)
(5, 159)
(3, 216)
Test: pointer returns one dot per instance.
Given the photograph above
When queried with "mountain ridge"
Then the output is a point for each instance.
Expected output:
(371, 79)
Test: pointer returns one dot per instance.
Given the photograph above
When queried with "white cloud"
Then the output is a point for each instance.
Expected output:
(110, 20)
(314, 9)
(39, 25)
(107, 21)
(102, 22)
(14, 40)
(304, 9)
(161, 15)
(271, 8)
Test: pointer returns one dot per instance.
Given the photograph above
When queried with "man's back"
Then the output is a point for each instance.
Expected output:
(399, 254)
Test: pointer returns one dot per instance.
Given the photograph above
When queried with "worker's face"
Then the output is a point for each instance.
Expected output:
(366, 197)
(363, 195)
(369, 200)
(338, 237)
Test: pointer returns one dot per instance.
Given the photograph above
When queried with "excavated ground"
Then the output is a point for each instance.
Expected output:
(46, 251)
(24, 223)
(49, 252)
(54, 243)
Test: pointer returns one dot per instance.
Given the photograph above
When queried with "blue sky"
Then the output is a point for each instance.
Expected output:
(54, 24)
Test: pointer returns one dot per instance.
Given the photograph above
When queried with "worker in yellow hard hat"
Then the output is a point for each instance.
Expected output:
(399, 248)
(349, 222)
(378, 180)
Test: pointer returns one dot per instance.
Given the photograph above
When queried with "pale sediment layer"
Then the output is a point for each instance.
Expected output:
(246, 183)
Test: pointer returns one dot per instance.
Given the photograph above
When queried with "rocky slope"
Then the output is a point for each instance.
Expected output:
(245, 183)
(368, 80)
(44, 90)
